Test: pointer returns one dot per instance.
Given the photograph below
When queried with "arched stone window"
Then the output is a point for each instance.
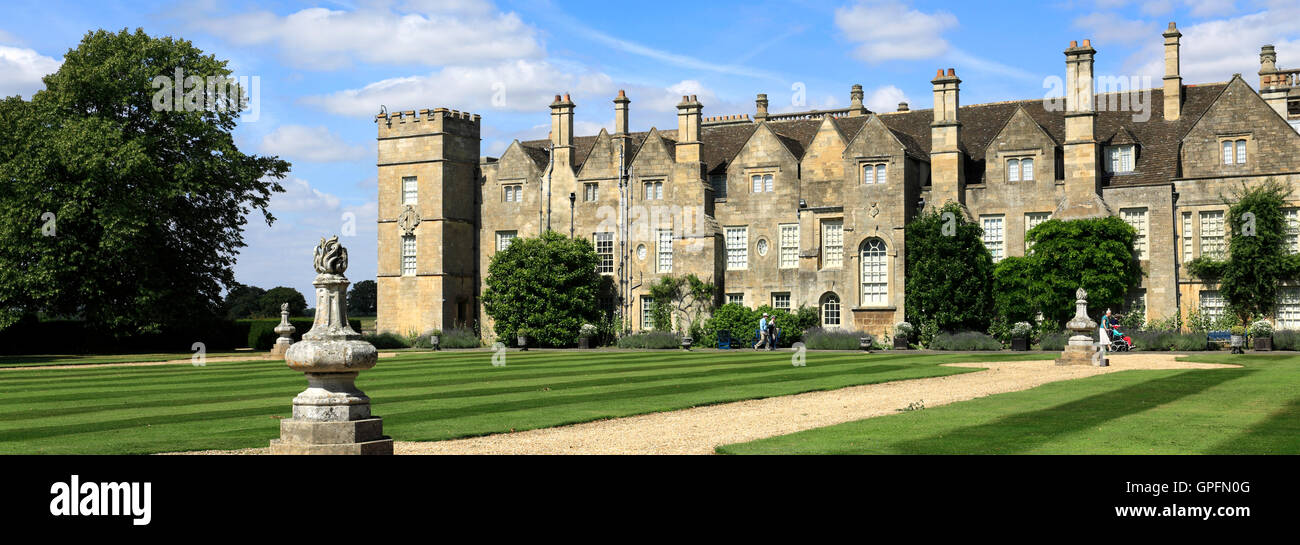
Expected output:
(830, 305)
(875, 272)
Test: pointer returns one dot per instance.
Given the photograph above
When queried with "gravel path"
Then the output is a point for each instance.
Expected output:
(698, 430)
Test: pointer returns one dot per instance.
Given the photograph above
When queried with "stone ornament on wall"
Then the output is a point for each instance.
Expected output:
(408, 220)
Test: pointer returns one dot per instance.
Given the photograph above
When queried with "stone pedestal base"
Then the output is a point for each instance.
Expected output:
(1081, 351)
(281, 346)
(352, 437)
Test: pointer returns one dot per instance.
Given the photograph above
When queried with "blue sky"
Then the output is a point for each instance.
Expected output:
(326, 67)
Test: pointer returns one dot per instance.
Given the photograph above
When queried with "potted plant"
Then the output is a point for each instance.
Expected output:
(1262, 333)
(585, 333)
(522, 337)
(1238, 339)
(1020, 335)
(902, 332)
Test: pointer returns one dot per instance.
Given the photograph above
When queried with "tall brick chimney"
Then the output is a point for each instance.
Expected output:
(620, 113)
(947, 164)
(688, 130)
(1173, 78)
(562, 130)
(1273, 87)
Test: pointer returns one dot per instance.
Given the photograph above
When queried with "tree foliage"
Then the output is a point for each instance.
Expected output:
(363, 298)
(279, 295)
(686, 297)
(546, 285)
(949, 272)
(147, 206)
(1258, 259)
(1095, 254)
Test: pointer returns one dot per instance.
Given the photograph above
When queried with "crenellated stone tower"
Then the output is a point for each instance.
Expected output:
(428, 220)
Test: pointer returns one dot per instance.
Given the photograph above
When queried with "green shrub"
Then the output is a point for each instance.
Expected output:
(651, 340)
(1188, 342)
(819, 338)
(1053, 341)
(1154, 340)
(459, 337)
(965, 340)
(1286, 339)
(1261, 329)
(547, 285)
(386, 341)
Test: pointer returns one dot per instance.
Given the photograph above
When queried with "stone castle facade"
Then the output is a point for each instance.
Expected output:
(809, 208)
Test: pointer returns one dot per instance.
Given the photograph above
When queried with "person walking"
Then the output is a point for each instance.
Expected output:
(763, 337)
(1106, 323)
(772, 333)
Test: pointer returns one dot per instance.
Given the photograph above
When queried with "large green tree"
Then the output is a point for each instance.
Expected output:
(1258, 259)
(949, 272)
(363, 298)
(547, 285)
(1095, 254)
(243, 301)
(112, 210)
(269, 303)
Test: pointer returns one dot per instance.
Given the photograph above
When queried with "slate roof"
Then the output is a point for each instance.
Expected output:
(1158, 140)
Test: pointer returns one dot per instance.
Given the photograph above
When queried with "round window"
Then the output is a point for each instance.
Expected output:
(640, 252)
(762, 246)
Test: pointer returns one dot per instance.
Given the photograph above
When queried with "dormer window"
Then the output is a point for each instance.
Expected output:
(1119, 159)
(1020, 169)
(761, 183)
(1234, 152)
(874, 173)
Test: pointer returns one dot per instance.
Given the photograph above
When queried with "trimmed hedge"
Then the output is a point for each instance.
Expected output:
(1285, 339)
(260, 333)
(1053, 341)
(31, 336)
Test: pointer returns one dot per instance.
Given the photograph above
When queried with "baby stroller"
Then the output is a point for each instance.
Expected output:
(1119, 342)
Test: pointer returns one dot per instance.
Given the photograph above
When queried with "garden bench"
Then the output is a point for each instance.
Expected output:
(724, 340)
(1218, 337)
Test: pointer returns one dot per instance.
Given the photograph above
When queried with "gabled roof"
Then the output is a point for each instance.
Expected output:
(981, 123)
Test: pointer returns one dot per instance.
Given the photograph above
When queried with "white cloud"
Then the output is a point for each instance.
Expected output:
(21, 71)
(300, 196)
(885, 99)
(310, 144)
(1209, 8)
(423, 32)
(521, 85)
(1107, 28)
(1214, 50)
(889, 30)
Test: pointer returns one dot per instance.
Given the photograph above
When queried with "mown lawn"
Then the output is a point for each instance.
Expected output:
(425, 396)
(1251, 410)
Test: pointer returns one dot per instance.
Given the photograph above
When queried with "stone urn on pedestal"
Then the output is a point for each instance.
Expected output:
(285, 330)
(331, 416)
(1082, 350)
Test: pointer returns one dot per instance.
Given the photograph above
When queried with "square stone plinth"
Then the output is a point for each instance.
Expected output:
(1079, 355)
(364, 436)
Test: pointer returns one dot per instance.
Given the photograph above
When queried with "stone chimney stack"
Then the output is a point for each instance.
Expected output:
(947, 161)
(1080, 148)
(855, 102)
(688, 130)
(1173, 78)
(903, 107)
(1273, 87)
(760, 107)
(620, 113)
(562, 130)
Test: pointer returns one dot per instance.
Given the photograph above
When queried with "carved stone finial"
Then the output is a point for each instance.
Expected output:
(284, 307)
(1081, 294)
(331, 257)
